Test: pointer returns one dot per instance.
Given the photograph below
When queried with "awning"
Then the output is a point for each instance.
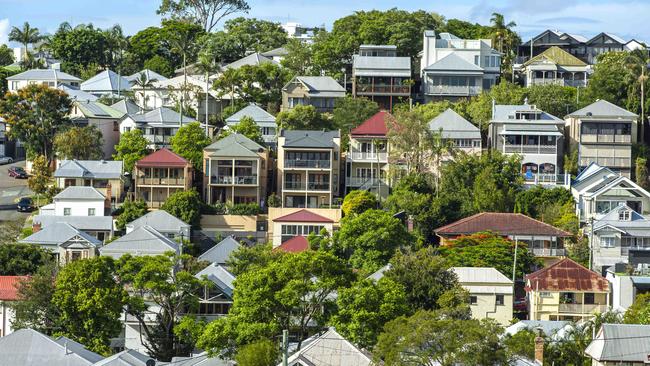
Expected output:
(641, 283)
(530, 132)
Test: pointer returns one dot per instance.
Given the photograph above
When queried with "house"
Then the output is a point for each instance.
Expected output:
(66, 242)
(253, 59)
(104, 175)
(8, 295)
(566, 290)
(263, 119)
(276, 54)
(202, 359)
(301, 32)
(128, 357)
(216, 298)
(598, 190)
(603, 133)
(252, 228)
(554, 66)
(454, 128)
(329, 349)
(106, 83)
(490, 293)
(164, 223)
(126, 106)
(235, 170)
(106, 119)
(453, 68)
(77, 95)
(380, 75)
(158, 126)
(543, 240)
(620, 344)
(287, 224)
(150, 76)
(142, 241)
(554, 329)
(220, 253)
(99, 227)
(366, 165)
(602, 43)
(627, 282)
(318, 91)
(161, 174)
(308, 167)
(536, 136)
(50, 77)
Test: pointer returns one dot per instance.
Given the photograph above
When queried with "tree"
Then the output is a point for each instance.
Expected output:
(80, 48)
(259, 353)
(261, 84)
(81, 143)
(370, 239)
(129, 211)
(35, 114)
(35, 308)
(637, 65)
(160, 65)
(609, 80)
(364, 308)
(246, 259)
(22, 259)
(533, 201)
(39, 181)
(6, 55)
(91, 302)
(189, 142)
(480, 107)
(26, 35)
(302, 117)
(131, 148)
(298, 58)
(357, 202)
(639, 311)
(186, 205)
(349, 113)
(521, 344)
(411, 140)
(641, 172)
(244, 35)
(246, 127)
(555, 99)
(428, 339)
(142, 82)
(504, 37)
(206, 13)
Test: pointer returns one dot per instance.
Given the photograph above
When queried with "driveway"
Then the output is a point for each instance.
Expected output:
(11, 190)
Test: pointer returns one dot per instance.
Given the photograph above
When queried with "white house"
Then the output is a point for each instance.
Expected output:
(158, 125)
(50, 77)
(106, 83)
(626, 286)
(490, 293)
(66, 242)
(79, 201)
(263, 119)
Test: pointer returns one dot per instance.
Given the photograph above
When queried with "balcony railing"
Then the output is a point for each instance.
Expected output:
(582, 308)
(378, 157)
(549, 252)
(237, 180)
(546, 179)
(383, 89)
(301, 186)
(297, 186)
(453, 90)
(316, 164)
(531, 149)
(609, 162)
(587, 137)
(364, 181)
(161, 181)
(158, 139)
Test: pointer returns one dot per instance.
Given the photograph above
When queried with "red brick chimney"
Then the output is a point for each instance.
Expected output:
(539, 349)
(36, 227)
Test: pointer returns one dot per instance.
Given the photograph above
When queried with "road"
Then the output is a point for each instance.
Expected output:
(11, 190)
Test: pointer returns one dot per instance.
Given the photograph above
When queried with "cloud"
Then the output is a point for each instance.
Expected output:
(569, 20)
(4, 31)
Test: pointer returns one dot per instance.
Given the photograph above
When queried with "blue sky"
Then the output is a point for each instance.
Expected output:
(626, 18)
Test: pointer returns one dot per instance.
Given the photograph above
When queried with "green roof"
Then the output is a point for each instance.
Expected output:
(98, 110)
(558, 56)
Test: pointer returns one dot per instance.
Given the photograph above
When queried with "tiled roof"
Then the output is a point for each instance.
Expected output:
(9, 287)
(303, 216)
(566, 275)
(162, 158)
(296, 244)
(373, 126)
(501, 224)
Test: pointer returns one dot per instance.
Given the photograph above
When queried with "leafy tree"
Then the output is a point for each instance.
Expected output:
(206, 13)
(609, 80)
(90, 301)
(298, 58)
(259, 353)
(349, 113)
(261, 84)
(480, 107)
(22, 259)
(364, 308)
(186, 205)
(521, 344)
(578, 250)
(370, 239)
(129, 211)
(35, 114)
(641, 172)
(531, 202)
(302, 117)
(6, 55)
(246, 259)
(41, 176)
(246, 127)
(35, 308)
(189, 142)
(636, 63)
(504, 38)
(26, 35)
(555, 99)
(274, 200)
(81, 143)
(131, 148)
(466, 30)
(411, 140)
(160, 65)
(10, 231)
(426, 338)
(639, 311)
(356, 202)
(79, 47)
(489, 250)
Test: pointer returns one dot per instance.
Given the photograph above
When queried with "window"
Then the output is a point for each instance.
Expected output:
(116, 126)
(500, 300)
(624, 215)
(607, 242)
(477, 60)
(91, 212)
(545, 294)
(66, 211)
(589, 298)
(473, 300)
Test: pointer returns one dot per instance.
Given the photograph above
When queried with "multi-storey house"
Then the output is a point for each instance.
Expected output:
(104, 175)
(318, 91)
(263, 119)
(161, 174)
(554, 66)
(158, 126)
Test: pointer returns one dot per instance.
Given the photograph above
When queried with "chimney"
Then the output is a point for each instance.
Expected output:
(108, 196)
(409, 224)
(36, 227)
(539, 347)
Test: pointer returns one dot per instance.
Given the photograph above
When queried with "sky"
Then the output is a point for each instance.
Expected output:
(626, 18)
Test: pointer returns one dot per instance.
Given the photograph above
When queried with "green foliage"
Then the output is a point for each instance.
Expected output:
(349, 113)
(22, 259)
(6, 55)
(261, 84)
(91, 302)
(129, 211)
(521, 344)
(10, 231)
(578, 250)
(248, 259)
(205, 13)
(245, 209)
(41, 175)
(533, 201)
(467, 30)
(160, 65)
(259, 353)
(36, 310)
(189, 142)
(639, 311)
(186, 205)
(274, 200)
(480, 107)
(298, 58)
(246, 127)
(81, 47)
(641, 172)
(555, 99)
(25, 36)
(131, 148)
(609, 80)
(303, 117)
(81, 143)
(571, 161)
(357, 202)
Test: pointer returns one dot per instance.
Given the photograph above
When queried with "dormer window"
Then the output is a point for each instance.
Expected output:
(624, 215)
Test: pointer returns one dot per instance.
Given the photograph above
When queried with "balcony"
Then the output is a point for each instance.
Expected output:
(383, 89)
(301, 186)
(158, 139)
(606, 161)
(147, 181)
(236, 180)
(364, 181)
(596, 138)
(549, 252)
(452, 90)
(582, 308)
(307, 164)
(530, 149)
(546, 179)
(375, 157)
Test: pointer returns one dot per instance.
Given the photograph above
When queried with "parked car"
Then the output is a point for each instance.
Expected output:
(6, 160)
(25, 204)
(17, 172)
(520, 304)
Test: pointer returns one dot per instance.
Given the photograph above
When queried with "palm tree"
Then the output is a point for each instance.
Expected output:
(500, 30)
(116, 45)
(440, 147)
(143, 82)
(25, 36)
(209, 64)
(637, 65)
(183, 43)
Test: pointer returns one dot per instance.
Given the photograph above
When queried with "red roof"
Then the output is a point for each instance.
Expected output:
(373, 126)
(303, 216)
(566, 275)
(9, 287)
(296, 244)
(501, 224)
(163, 157)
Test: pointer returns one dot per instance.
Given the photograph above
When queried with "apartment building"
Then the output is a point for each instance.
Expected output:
(161, 174)
(308, 167)
(318, 91)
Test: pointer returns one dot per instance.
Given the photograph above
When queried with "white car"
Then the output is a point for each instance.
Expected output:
(6, 160)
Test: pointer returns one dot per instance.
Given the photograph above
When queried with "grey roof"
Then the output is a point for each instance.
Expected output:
(142, 241)
(126, 107)
(329, 349)
(637, 225)
(76, 94)
(252, 60)
(83, 223)
(259, 115)
(309, 138)
(27, 347)
(548, 327)
(150, 75)
(621, 343)
(591, 170)
(603, 108)
(127, 357)
(452, 63)
(59, 233)
(235, 145)
(453, 125)
(80, 193)
(221, 251)
(98, 169)
(321, 85)
(45, 75)
(106, 81)
(391, 47)
(280, 51)
(220, 276)
(78, 348)
(199, 360)
(160, 220)
(506, 112)
(381, 66)
(379, 274)
(160, 117)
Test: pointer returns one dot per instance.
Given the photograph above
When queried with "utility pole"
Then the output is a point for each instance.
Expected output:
(285, 347)
(514, 264)
(591, 241)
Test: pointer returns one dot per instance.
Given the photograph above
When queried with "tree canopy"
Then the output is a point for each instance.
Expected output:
(358, 201)
(206, 13)
(186, 205)
(22, 259)
(81, 143)
(131, 148)
(189, 142)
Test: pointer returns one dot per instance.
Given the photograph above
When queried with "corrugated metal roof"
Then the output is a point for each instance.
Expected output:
(453, 62)
(381, 66)
(106, 81)
(501, 224)
(453, 125)
(303, 216)
(83, 223)
(77, 95)
(161, 117)
(558, 56)
(59, 233)
(126, 107)
(621, 343)
(297, 244)
(80, 193)
(149, 75)
(252, 60)
(469, 275)
(329, 349)
(220, 276)
(29, 347)
(161, 221)
(566, 275)
(45, 75)
(309, 138)
(99, 169)
(601, 109)
(220, 253)
(144, 240)
(127, 357)
(253, 111)
(373, 126)
(506, 112)
(322, 84)
(235, 145)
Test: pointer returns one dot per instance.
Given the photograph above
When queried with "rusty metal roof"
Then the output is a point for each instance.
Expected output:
(566, 275)
(501, 224)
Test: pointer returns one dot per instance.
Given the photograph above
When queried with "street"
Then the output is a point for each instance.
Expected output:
(11, 190)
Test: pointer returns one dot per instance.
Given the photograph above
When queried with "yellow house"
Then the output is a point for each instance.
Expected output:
(566, 291)
(490, 293)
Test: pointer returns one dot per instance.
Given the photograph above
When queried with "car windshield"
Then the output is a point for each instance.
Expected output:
(20, 170)
(25, 200)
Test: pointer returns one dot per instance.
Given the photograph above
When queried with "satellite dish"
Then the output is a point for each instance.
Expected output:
(151, 362)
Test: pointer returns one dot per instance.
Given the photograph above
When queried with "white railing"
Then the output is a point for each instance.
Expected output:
(531, 149)
(603, 161)
(237, 180)
(582, 308)
(586, 137)
(360, 181)
(549, 252)
(379, 157)
(546, 179)
(545, 81)
(453, 90)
